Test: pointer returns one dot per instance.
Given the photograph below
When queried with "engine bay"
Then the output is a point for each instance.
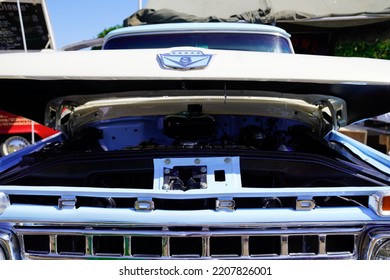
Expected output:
(122, 153)
(192, 129)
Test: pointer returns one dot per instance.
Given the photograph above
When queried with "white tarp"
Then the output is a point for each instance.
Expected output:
(313, 12)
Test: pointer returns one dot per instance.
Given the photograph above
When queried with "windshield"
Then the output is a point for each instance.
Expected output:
(224, 41)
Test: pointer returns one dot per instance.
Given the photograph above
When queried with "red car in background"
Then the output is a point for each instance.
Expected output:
(17, 132)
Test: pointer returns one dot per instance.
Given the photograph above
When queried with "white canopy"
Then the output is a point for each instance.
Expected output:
(329, 13)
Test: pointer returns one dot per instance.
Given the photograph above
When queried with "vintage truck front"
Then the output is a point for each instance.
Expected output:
(234, 157)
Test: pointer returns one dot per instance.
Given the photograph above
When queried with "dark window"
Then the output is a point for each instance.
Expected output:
(208, 40)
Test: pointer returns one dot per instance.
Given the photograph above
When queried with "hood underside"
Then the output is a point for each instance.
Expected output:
(359, 106)
(315, 111)
(74, 78)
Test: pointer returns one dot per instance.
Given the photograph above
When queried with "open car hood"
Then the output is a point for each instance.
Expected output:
(343, 90)
(315, 111)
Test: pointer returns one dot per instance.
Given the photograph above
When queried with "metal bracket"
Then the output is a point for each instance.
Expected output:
(144, 205)
(305, 204)
(67, 202)
(225, 205)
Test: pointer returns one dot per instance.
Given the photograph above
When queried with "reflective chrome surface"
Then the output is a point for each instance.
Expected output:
(189, 243)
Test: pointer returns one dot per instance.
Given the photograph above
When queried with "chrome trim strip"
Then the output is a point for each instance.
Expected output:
(90, 216)
(201, 233)
(290, 257)
(193, 194)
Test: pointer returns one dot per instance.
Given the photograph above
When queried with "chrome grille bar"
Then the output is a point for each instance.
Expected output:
(126, 245)
(284, 245)
(206, 246)
(89, 245)
(322, 244)
(245, 245)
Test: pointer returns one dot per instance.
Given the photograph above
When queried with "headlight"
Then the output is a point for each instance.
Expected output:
(9, 249)
(382, 251)
(377, 244)
(2, 254)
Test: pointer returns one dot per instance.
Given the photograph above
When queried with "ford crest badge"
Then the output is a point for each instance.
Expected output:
(184, 59)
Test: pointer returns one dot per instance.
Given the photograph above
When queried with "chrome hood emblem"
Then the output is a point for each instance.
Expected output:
(184, 59)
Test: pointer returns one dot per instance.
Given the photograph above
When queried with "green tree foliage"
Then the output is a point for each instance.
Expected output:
(379, 49)
(105, 32)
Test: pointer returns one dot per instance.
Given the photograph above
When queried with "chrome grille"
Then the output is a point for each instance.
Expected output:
(205, 243)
